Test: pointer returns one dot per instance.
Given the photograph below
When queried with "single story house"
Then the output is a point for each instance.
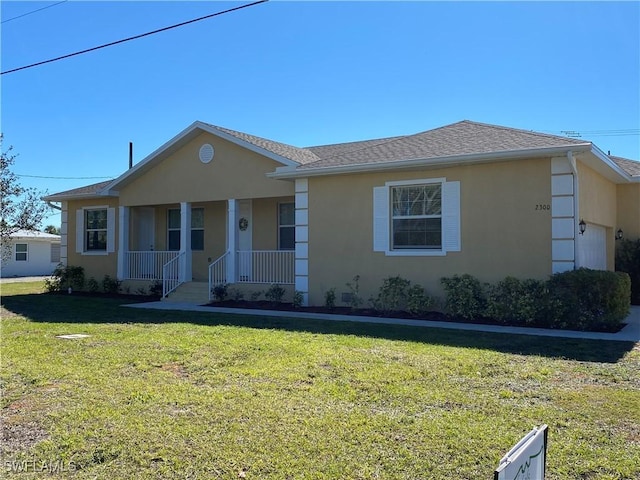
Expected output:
(214, 205)
(31, 253)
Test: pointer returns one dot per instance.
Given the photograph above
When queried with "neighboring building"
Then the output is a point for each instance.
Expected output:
(217, 205)
(32, 254)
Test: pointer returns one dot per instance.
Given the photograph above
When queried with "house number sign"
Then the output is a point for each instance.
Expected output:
(543, 206)
(243, 224)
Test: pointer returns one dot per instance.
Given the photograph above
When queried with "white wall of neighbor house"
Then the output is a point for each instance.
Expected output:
(31, 258)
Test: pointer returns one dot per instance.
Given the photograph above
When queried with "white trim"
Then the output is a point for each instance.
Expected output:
(185, 274)
(301, 262)
(563, 214)
(16, 252)
(80, 230)
(232, 239)
(123, 242)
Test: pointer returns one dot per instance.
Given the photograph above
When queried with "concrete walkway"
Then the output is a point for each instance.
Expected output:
(630, 333)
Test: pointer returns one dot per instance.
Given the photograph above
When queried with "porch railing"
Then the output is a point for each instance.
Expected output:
(218, 273)
(146, 265)
(266, 266)
(171, 277)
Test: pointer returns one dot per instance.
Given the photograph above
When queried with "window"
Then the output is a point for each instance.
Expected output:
(286, 226)
(197, 229)
(416, 216)
(55, 253)
(22, 250)
(173, 229)
(96, 230)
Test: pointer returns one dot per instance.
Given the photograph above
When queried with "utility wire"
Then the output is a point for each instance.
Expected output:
(134, 37)
(33, 11)
(64, 178)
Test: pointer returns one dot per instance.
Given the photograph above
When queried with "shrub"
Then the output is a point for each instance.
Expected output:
(418, 302)
(236, 294)
(92, 285)
(590, 299)
(155, 289)
(298, 299)
(464, 296)
(392, 295)
(628, 261)
(355, 300)
(255, 295)
(518, 302)
(330, 298)
(110, 285)
(275, 293)
(64, 277)
(219, 291)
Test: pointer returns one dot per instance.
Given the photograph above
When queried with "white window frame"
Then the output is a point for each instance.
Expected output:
(170, 229)
(450, 214)
(192, 229)
(26, 252)
(81, 231)
(55, 250)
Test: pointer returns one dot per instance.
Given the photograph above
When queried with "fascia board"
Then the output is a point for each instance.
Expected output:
(80, 196)
(619, 173)
(286, 173)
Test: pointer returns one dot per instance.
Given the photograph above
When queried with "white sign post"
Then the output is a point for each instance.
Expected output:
(527, 459)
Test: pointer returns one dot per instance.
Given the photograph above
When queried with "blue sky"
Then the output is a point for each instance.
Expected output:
(308, 73)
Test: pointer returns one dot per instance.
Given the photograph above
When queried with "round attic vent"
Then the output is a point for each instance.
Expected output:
(206, 153)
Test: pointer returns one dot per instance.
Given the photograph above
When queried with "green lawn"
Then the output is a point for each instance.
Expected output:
(154, 394)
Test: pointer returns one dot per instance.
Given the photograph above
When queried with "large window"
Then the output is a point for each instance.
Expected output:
(197, 229)
(417, 216)
(286, 226)
(22, 252)
(95, 227)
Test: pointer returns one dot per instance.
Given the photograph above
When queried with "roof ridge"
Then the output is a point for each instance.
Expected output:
(521, 130)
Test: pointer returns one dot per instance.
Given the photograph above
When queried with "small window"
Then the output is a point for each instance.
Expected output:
(197, 229)
(22, 250)
(96, 230)
(55, 253)
(286, 226)
(417, 216)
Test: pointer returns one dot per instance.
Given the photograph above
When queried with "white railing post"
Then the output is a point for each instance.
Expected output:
(232, 240)
(123, 243)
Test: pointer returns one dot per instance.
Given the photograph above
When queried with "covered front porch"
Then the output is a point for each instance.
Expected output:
(249, 241)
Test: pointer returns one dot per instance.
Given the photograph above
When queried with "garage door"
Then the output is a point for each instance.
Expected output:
(592, 248)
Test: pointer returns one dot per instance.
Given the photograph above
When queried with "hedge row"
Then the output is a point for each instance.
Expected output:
(580, 299)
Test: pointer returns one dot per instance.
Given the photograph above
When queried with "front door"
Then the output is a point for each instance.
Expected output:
(245, 242)
(145, 221)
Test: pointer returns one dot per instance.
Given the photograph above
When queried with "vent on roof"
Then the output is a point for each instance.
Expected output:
(206, 153)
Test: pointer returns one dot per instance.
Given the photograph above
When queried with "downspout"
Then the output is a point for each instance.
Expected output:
(576, 208)
(55, 207)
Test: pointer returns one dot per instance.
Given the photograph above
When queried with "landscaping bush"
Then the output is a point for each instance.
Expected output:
(219, 291)
(92, 285)
(275, 293)
(392, 295)
(355, 300)
(110, 285)
(298, 299)
(628, 261)
(64, 277)
(518, 302)
(465, 297)
(156, 288)
(418, 302)
(590, 299)
(330, 298)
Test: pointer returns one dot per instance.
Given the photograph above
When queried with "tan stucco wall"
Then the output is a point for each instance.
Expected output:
(598, 205)
(234, 172)
(628, 199)
(265, 222)
(501, 231)
(95, 265)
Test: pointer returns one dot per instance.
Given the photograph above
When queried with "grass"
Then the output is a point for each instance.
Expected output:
(157, 394)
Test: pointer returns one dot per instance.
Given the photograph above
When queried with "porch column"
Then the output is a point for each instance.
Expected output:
(185, 274)
(302, 239)
(123, 243)
(232, 239)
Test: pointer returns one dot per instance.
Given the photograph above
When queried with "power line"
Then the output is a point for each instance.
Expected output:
(134, 37)
(64, 178)
(33, 11)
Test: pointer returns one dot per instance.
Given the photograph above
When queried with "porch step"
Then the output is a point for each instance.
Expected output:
(191, 292)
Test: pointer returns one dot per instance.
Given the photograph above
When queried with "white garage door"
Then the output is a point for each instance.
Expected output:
(592, 248)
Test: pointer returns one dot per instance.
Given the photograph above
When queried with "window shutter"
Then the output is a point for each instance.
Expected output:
(380, 219)
(79, 230)
(451, 216)
(111, 230)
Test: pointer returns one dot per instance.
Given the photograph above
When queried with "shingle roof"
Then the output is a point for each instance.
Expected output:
(87, 190)
(462, 138)
(630, 166)
(298, 155)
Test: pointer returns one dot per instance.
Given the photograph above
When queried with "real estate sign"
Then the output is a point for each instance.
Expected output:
(526, 460)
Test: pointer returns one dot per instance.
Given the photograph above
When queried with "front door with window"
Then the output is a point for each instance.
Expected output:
(245, 241)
